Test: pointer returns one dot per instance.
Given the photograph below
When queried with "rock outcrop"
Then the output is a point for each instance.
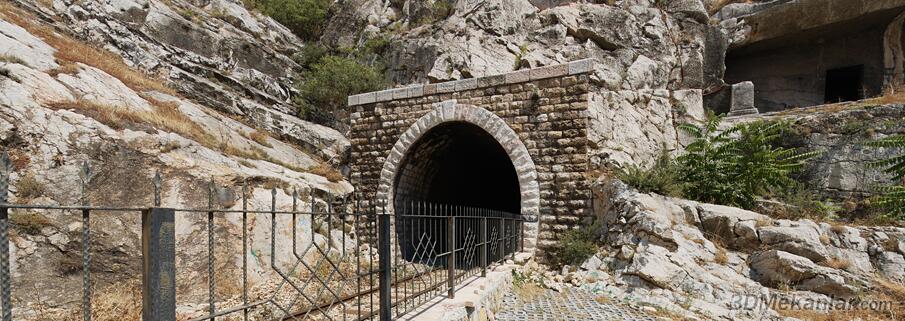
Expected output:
(64, 102)
(641, 44)
(701, 260)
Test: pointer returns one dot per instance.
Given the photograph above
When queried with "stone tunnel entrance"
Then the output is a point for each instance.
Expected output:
(458, 164)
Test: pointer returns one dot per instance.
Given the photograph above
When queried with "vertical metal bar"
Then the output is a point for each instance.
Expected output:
(158, 240)
(210, 250)
(451, 259)
(86, 245)
(502, 237)
(6, 169)
(484, 244)
(245, 248)
(383, 255)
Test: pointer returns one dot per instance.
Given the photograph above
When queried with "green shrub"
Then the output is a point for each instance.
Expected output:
(800, 203)
(891, 198)
(310, 55)
(661, 178)
(330, 81)
(576, 246)
(306, 18)
(738, 165)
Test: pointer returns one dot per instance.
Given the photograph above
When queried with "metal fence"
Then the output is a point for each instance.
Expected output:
(418, 254)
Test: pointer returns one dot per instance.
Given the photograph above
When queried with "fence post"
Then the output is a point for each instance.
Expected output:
(6, 168)
(383, 256)
(158, 245)
(451, 259)
(484, 244)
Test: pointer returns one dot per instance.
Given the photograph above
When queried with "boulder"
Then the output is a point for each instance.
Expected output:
(652, 264)
(802, 238)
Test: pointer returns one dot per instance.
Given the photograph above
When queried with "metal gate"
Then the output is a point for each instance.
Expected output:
(333, 260)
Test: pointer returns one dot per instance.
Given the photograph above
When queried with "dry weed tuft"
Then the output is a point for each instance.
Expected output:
(71, 50)
(837, 263)
(28, 187)
(66, 67)
(327, 171)
(29, 223)
(260, 137)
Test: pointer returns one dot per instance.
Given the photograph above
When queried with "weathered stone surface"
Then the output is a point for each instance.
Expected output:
(742, 102)
(661, 250)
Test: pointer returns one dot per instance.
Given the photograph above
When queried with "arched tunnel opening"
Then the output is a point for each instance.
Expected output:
(454, 169)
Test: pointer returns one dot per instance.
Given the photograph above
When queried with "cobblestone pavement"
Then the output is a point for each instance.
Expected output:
(569, 305)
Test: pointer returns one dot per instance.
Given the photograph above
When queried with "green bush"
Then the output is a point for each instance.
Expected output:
(738, 165)
(661, 178)
(306, 18)
(310, 55)
(576, 246)
(331, 80)
(891, 198)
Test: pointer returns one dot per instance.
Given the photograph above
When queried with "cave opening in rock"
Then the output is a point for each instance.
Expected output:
(844, 84)
(458, 164)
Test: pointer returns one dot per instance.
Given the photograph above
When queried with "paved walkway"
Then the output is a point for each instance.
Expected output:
(569, 305)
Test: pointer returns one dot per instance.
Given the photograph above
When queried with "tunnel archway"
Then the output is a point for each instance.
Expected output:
(465, 123)
(458, 164)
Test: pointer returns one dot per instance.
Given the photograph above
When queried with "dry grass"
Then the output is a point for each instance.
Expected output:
(260, 137)
(824, 239)
(327, 171)
(71, 50)
(66, 67)
(720, 257)
(837, 263)
(838, 228)
(12, 60)
(169, 147)
(28, 187)
(29, 223)
(763, 222)
(114, 303)
(892, 94)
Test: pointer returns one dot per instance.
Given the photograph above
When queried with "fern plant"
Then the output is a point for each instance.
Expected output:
(738, 165)
(891, 198)
(661, 178)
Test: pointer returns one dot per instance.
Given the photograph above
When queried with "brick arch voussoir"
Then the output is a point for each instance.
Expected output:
(451, 111)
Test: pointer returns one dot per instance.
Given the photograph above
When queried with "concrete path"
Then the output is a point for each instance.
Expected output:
(569, 305)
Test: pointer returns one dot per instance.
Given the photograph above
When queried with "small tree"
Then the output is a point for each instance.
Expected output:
(738, 165)
(306, 18)
(331, 81)
(892, 198)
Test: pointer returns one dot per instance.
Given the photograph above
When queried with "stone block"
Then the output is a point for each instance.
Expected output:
(518, 76)
(549, 72)
(742, 102)
(385, 95)
(352, 100)
(581, 66)
(446, 87)
(415, 91)
(429, 89)
(491, 81)
(466, 84)
(368, 98)
(400, 93)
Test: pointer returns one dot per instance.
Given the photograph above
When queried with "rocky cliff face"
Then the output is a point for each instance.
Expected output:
(641, 44)
(197, 91)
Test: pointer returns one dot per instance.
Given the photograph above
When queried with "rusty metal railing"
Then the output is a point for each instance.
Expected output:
(334, 260)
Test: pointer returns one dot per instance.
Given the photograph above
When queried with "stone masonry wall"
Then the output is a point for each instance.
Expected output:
(546, 107)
